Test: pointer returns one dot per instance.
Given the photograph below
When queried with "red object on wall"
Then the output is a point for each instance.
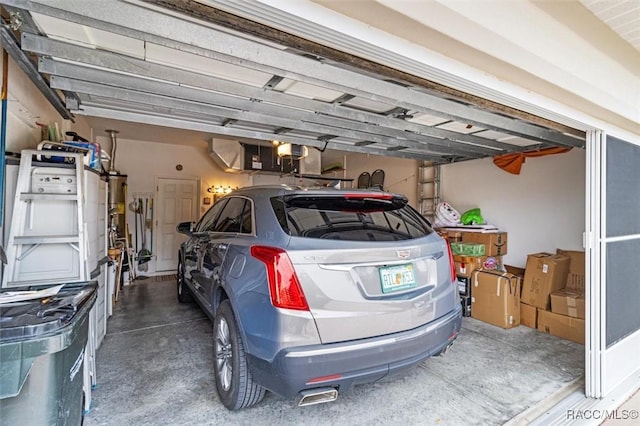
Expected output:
(512, 163)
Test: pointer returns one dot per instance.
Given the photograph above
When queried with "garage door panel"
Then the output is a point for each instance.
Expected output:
(622, 224)
(623, 188)
(623, 291)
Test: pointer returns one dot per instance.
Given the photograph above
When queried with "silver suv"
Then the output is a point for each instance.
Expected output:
(314, 290)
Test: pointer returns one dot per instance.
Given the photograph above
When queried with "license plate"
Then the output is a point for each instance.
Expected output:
(397, 277)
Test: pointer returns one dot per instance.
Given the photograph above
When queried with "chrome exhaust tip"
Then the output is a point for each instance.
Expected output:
(446, 349)
(317, 396)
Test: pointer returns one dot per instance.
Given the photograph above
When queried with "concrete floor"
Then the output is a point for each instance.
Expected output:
(155, 367)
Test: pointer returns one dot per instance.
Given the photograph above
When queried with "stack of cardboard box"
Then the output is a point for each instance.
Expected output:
(547, 295)
(552, 297)
(493, 245)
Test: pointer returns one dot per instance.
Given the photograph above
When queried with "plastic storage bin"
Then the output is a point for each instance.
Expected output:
(42, 345)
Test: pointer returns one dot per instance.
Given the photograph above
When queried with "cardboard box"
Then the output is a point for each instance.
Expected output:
(544, 274)
(454, 236)
(495, 298)
(495, 242)
(575, 277)
(465, 265)
(443, 233)
(561, 326)
(568, 302)
(515, 270)
(528, 315)
(468, 249)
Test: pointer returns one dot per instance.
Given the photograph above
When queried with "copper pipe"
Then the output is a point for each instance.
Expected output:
(3, 131)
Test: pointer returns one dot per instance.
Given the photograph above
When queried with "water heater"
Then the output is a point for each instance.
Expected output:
(117, 203)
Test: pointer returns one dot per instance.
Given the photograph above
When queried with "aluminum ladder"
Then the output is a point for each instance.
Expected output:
(428, 189)
(47, 240)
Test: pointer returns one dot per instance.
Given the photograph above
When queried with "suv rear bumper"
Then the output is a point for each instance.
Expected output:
(341, 365)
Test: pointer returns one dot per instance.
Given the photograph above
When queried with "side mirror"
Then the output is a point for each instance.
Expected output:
(185, 228)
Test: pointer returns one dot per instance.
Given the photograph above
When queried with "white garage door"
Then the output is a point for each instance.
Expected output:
(613, 244)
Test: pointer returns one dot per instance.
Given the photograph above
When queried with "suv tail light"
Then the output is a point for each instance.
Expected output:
(284, 287)
(452, 265)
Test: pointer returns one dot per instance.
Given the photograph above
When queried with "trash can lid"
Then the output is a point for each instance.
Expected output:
(31, 318)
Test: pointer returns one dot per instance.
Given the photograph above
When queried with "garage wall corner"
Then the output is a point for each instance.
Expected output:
(542, 209)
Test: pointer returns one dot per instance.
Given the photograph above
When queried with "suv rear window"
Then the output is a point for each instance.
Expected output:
(340, 217)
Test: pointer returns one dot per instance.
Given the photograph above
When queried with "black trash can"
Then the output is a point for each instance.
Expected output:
(42, 345)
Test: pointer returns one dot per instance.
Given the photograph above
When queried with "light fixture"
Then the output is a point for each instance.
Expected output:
(275, 142)
(219, 190)
(291, 150)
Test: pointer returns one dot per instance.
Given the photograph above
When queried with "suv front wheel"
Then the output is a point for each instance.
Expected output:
(184, 294)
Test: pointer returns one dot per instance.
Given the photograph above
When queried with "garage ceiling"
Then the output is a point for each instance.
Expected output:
(141, 63)
(623, 17)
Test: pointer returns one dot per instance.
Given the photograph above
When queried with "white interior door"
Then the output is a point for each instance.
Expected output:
(177, 202)
(613, 266)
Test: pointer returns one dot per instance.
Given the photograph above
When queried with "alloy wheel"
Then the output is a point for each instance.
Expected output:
(224, 354)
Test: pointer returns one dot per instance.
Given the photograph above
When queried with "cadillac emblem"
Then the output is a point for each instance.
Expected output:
(403, 254)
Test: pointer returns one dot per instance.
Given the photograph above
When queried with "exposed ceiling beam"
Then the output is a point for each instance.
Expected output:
(225, 113)
(154, 26)
(25, 23)
(172, 90)
(370, 122)
(224, 19)
(10, 44)
(334, 115)
(24, 18)
(180, 123)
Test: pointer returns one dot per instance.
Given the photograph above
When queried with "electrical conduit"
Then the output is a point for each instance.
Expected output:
(3, 130)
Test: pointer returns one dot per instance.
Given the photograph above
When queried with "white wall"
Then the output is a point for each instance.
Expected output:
(26, 106)
(401, 175)
(144, 161)
(276, 179)
(542, 209)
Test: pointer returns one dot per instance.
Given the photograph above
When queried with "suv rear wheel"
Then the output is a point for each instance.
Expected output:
(235, 386)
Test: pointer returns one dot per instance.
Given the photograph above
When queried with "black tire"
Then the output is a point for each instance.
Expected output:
(236, 389)
(184, 293)
(82, 409)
